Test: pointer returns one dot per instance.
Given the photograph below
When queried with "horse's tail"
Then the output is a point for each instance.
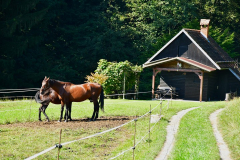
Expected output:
(37, 97)
(101, 100)
(38, 100)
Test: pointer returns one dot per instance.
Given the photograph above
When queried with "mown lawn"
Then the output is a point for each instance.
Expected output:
(27, 141)
(195, 138)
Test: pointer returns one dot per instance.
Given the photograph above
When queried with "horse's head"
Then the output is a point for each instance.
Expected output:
(45, 85)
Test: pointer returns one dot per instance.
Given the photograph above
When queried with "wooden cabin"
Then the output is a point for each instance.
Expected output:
(196, 65)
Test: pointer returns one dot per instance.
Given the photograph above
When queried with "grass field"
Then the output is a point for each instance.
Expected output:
(229, 125)
(19, 141)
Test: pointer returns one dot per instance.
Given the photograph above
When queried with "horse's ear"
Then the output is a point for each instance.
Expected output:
(47, 79)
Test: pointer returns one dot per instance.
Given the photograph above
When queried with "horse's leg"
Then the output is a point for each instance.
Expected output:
(96, 106)
(62, 108)
(70, 111)
(96, 110)
(39, 113)
(67, 111)
(43, 110)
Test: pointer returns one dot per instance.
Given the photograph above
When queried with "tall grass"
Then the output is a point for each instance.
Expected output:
(229, 126)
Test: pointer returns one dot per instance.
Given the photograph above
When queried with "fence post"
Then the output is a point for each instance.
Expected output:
(149, 125)
(59, 146)
(30, 109)
(134, 137)
(168, 104)
(160, 107)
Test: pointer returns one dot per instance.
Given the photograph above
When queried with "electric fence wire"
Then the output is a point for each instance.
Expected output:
(119, 154)
(97, 134)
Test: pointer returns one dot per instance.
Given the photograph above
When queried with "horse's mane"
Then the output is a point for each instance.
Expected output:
(52, 81)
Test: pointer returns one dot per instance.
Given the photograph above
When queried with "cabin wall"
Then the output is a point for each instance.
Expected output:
(227, 83)
(173, 49)
(211, 79)
(173, 79)
(192, 86)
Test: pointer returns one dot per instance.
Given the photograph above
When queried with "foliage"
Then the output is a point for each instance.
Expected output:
(96, 78)
(116, 72)
(65, 39)
(225, 39)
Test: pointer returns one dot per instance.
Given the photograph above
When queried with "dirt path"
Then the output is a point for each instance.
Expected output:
(171, 132)
(223, 148)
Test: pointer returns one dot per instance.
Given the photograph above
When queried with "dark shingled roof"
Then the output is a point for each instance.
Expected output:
(214, 51)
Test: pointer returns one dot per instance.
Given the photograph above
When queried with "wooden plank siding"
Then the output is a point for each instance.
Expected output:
(173, 79)
(192, 87)
(182, 46)
(211, 80)
(227, 83)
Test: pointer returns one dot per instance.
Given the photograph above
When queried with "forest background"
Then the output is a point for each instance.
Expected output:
(65, 39)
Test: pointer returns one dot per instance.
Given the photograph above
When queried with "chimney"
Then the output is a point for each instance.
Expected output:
(204, 23)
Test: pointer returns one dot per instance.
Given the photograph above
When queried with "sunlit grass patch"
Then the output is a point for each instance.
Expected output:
(195, 138)
(27, 141)
(229, 126)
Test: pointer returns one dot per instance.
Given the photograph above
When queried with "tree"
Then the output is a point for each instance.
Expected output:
(116, 73)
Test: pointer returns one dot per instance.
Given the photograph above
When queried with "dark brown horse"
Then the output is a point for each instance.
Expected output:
(49, 96)
(69, 92)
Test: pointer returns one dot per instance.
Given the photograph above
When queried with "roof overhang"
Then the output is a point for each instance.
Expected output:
(181, 59)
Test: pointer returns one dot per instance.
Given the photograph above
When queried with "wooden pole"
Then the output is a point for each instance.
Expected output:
(149, 125)
(134, 142)
(124, 81)
(30, 109)
(59, 145)
(201, 86)
(153, 83)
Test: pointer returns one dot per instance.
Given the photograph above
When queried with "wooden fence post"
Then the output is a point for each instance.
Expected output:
(30, 109)
(149, 125)
(59, 145)
(134, 143)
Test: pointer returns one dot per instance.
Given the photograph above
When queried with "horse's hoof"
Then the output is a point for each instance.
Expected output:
(40, 120)
(65, 121)
(59, 120)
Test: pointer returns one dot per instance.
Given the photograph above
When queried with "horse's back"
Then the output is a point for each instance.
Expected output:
(85, 91)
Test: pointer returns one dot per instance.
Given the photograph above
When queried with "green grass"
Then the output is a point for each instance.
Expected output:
(229, 126)
(195, 138)
(27, 141)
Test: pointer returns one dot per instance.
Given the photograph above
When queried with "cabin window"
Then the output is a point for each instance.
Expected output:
(182, 51)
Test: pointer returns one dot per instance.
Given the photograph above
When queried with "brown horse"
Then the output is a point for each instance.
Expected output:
(49, 96)
(69, 92)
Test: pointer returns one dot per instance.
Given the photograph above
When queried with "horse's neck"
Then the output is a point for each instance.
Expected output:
(55, 85)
